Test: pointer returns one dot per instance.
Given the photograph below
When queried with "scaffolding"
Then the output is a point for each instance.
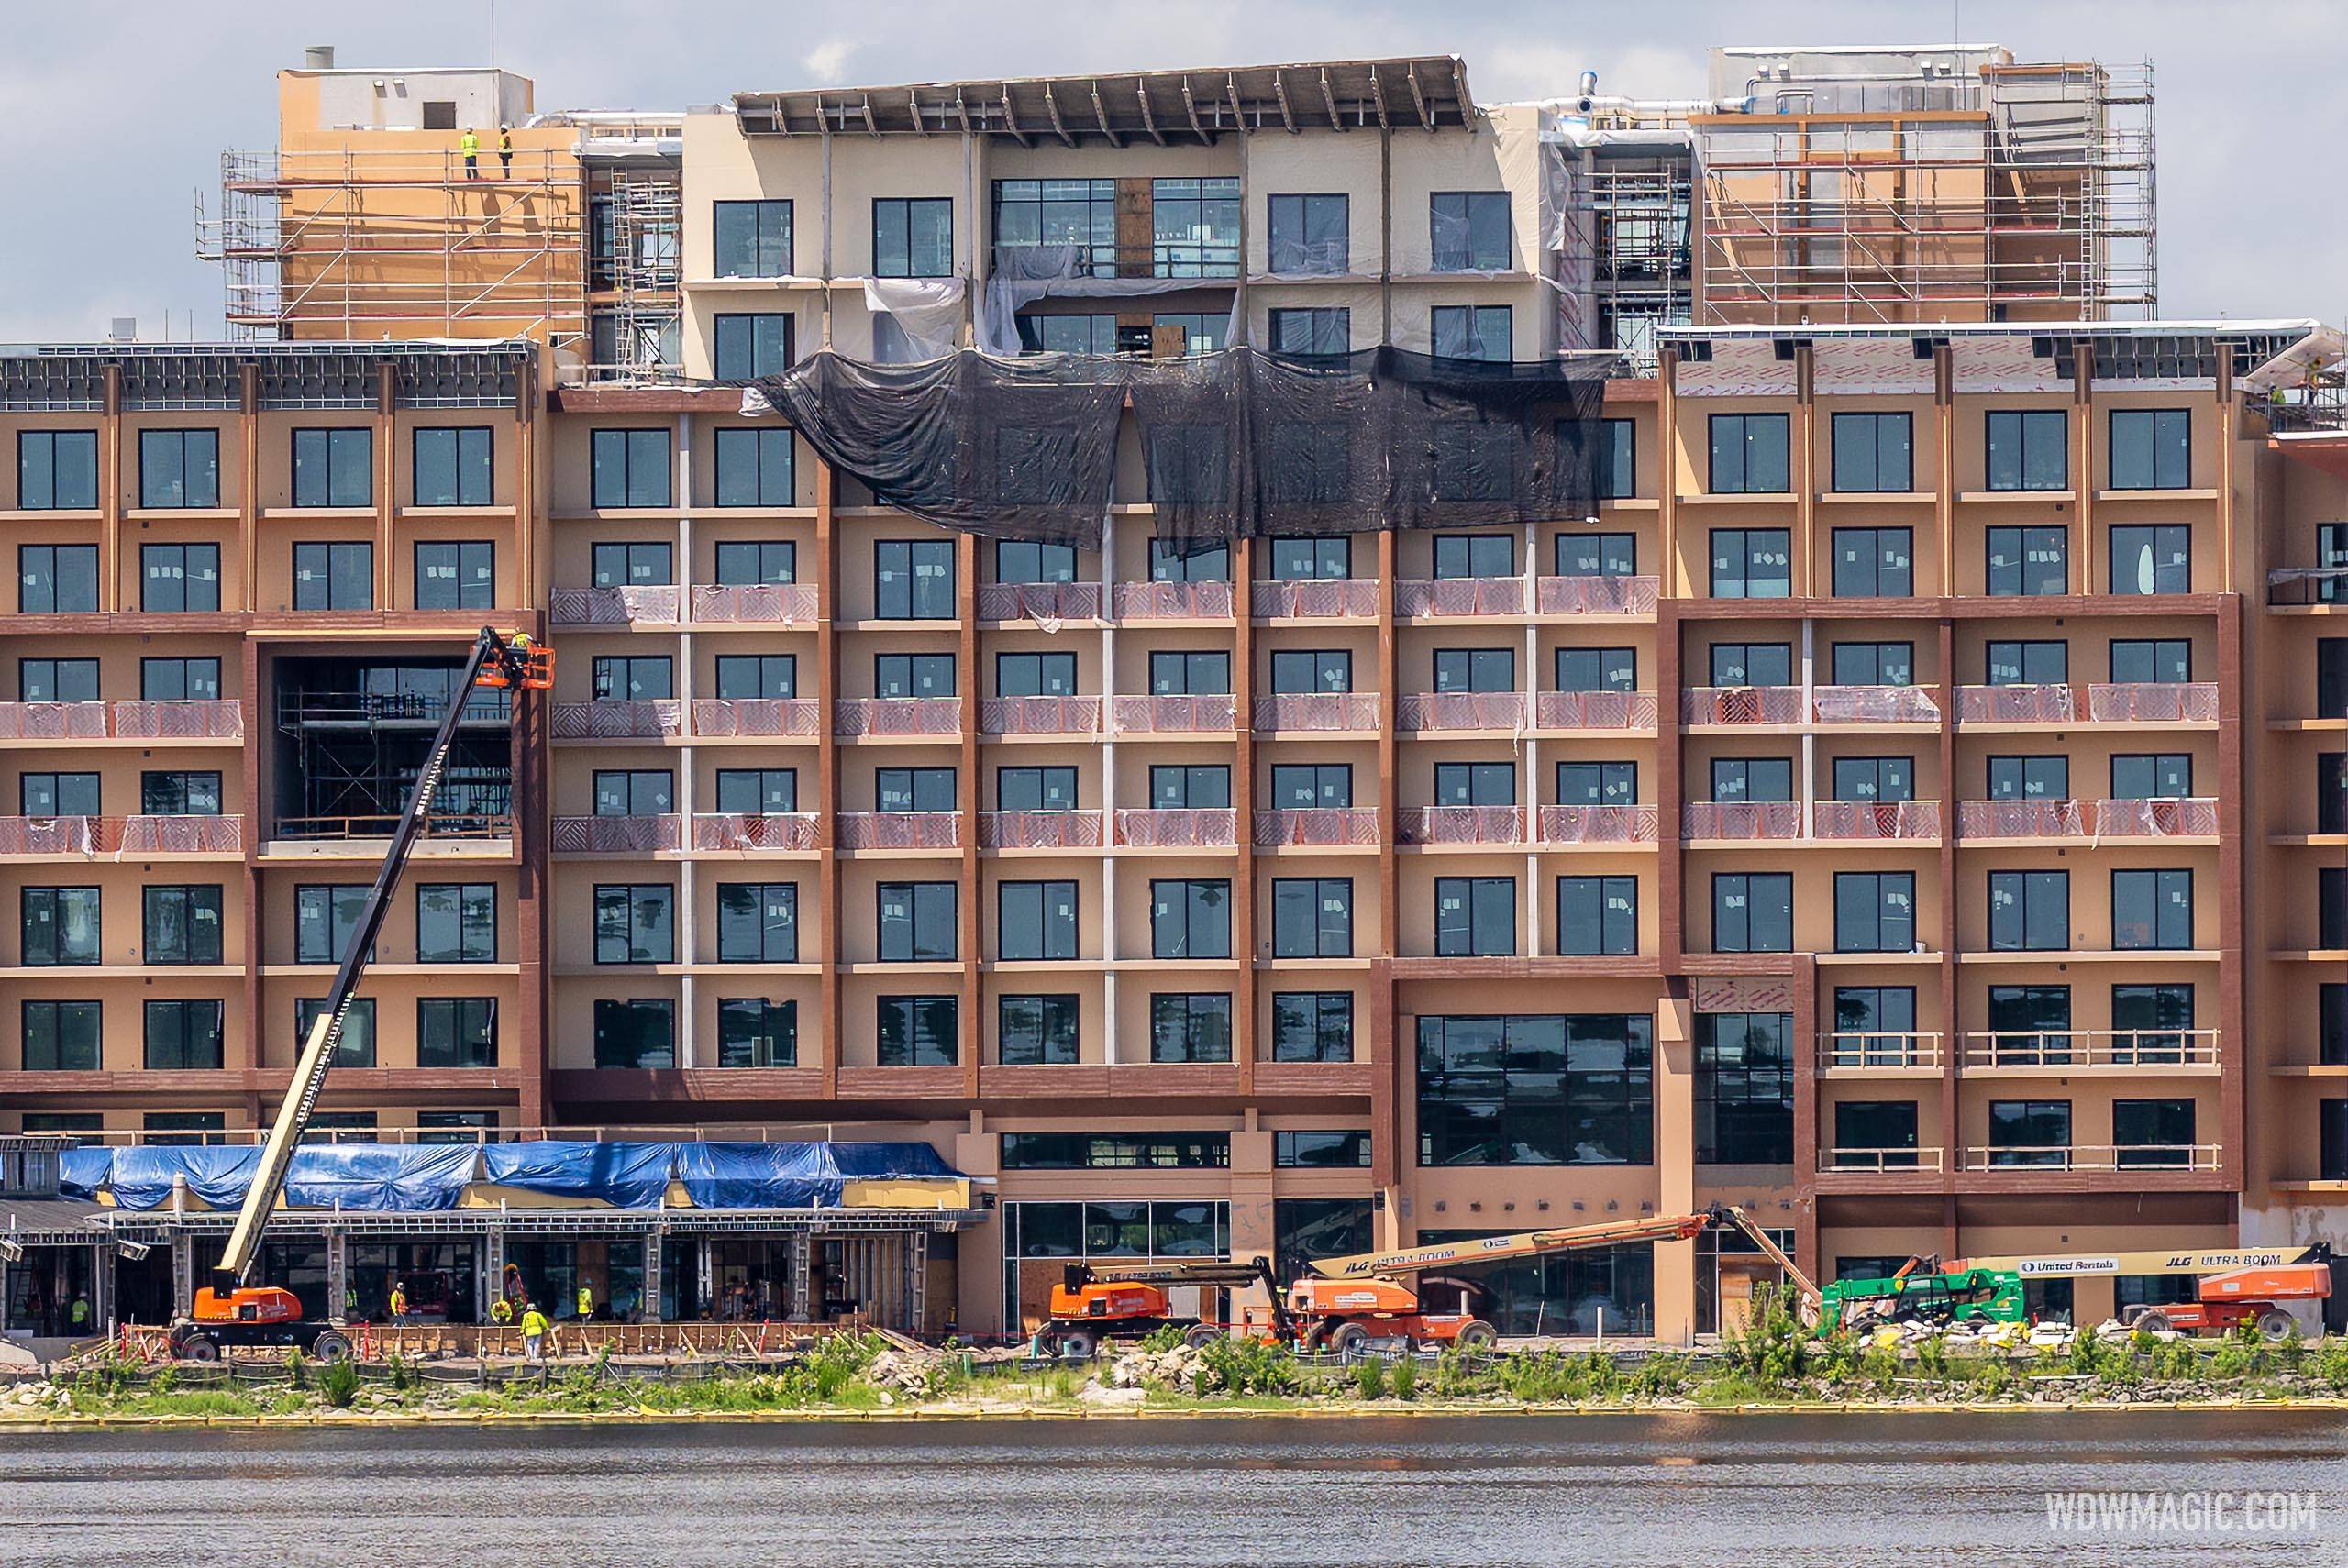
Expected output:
(1626, 266)
(634, 271)
(353, 244)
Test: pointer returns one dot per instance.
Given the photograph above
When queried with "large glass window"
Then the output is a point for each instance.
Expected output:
(2156, 775)
(917, 922)
(2152, 909)
(1598, 669)
(1597, 783)
(1308, 671)
(919, 1032)
(1474, 555)
(1874, 912)
(2146, 661)
(641, 677)
(1472, 332)
(1172, 562)
(1618, 474)
(1753, 664)
(1035, 920)
(1475, 784)
(1874, 663)
(635, 923)
(638, 1034)
(2149, 1021)
(356, 1048)
(2151, 448)
(2030, 1132)
(757, 922)
(1574, 1089)
(334, 468)
(755, 1032)
(757, 792)
(758, 677)
(632, 563)
(1312, 330)
(455, 922)
(631, 468)
(182, 924)
(749, 345)
(1309, 786)
(912, 580)
(1035, 674)
(1037, 1031)
(1873, 779)
(1309, 235)
(1873, 452)
(1874, 1023)
(1752, 563)
(2030, 911)
(456, 1032)
(1190, 917)
(1753, 911)
(57, 470)
(1598, 916)
(1744, 1088)
(915, 788)
(1748, 454)
(1875, 1134)
(58, 794)
(183, 1036)
(1752, 778)
(1190, 786)
(2029, 449)
(1313, 1026)
(749, 562)
(1875, 563)
(59, 927)
(325, 914)
(913, 236)
(1596, 555)
(179, 468)
(1189, 1026)
(2030, 1026)
(1475, 669)
(76, 680)
(456, 574)
(2152, 1133)
(1195, 226)
(2030, 777)
(2152, 558)
(1034, 788)
(334, 575)
(1469, 230)
(1312, 917)
(57, 579)
(60, 1036)
(2028, 562)
(2034, 662)
(753, 238)
(451, 465)
(755, 468)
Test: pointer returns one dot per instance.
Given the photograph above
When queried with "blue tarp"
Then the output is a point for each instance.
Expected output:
(82, 1171)
(889, 1160)
(625, 1175)
(142, 1174)
(793, 1175)
(378, 1177)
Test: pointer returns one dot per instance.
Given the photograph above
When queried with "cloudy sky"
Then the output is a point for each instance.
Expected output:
(117, 111)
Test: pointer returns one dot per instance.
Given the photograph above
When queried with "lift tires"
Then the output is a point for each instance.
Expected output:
(198, 1347)
(2276, 1325)
(1077, 1344)
(2153, 1322)
(1476, 1335)
(1348, 1338)
(1200, 1335)
(332, 1345)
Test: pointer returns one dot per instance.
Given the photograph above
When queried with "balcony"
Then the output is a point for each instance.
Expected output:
(1702, 706)
(1311, 598)
(764, 718)
(1172, 601)
(2178, 703)
(1324, 827)
(2093, 1158)
(157, 835)
(1160, 259)
(1873, 1051)
(1847, 1161)
(199, 719)
(1040, 715)
(1039, 830)
(745, 830)
(1332, 712)
(2016, 705)
(1873, 705)
(1874, 820)
(1423, 710)
(481, 827)
(2081, 1050)
(854, 716)
(618, 835)
(644, 603)
(2187, 817)
(1598, 824)
(1463, 825)
(1595, 595)
(898, 830)
(761, 603)
(2190, 817)
(1447, 596)
(1740, 820)
(1213, 715)
(2299, 586)
(1149, 828)
(1594, 711)
(1044, 603)
(611, 719)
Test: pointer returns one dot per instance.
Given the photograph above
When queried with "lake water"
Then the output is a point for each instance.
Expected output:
(1490, 1491)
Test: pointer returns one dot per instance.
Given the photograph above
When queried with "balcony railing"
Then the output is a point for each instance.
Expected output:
(1874, 819)
(1039, 830)
(617, 836)
(2166, 702)
(1040, 715)
(2307, 585)
(2186, 817)
(746, 831)
(1321, 826)
(766, 604)
(613, 606)
(1313, 598)
(1463, 710)
(1459, 596)
(2016, 705)
(1860, 1051)
(1160, 259)
(1149, 828)
(2021, 818)
(1463, 825)
(194, 719)
(1594, 711)
(1598, 824)
(898, 830)
(612, 719)
(759, 717)
(2193, 817)
(1042, 602)
(1740, 819)
(1172, 601)
(897, 716)
(473, 825)
(1331, 710)
(1213, 715)
(1846, 1160)
(1595, 595)
(122, 835)
(1874, 705)
(2128, 1050)
(2093, 1158)
(1740, 705)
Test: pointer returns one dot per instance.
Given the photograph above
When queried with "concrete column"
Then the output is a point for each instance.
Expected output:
(1109, 951)
(652, 1281)
(183, 1274)
(1674, 1159)
(102, 1259)
(338, 1275)
(800, 1271)
(687, 889)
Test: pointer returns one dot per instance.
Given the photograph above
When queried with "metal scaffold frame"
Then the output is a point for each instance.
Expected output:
(634, 274)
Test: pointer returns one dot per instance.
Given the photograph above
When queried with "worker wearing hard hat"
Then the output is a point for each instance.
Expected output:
(534, 1333)
(505, 151)
(470, 144)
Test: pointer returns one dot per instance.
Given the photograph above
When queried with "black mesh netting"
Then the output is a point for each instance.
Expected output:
(1233, 445)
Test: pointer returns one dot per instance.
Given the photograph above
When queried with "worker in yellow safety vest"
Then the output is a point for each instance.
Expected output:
(505, 151)
(501, 1310)
(470, 144)
(399, 1302)
(534, 1333)
(586, 1303)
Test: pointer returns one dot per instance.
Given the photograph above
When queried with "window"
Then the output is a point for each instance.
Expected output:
(2332, 1151)
(757, 922)
(635, 923)
(2030, 911)
(912, 580)
(749, 562)
(451, 465)
(919, 1032)
(2151, 661)
(758, 677)
(1752, 563)
(2150, 1022)
(2032, 663)
(182, 924)
(175, 793)
(1309, 235)
(2152, 909)
(1190, 917)
(631, 468)
(1473, 332)
(1201, 331)
(334, 576)
(1872, 452)
(1874, 912)
(2332, 553)
(456, 1032)
(1067, 333)
(1315, 1151)
(58, 794)
(2152, 1133)
(1116, 1151)
(1873, 778)
(1195, 226)
(60, 1036)
(456, 574)
(439, 114)
(913, 236)
(1021, 560)
(637, 563)
(1596, 555)
(1873, 563)
(917, 923)
(1034, 788)
(2030, 1025)
(913, 675)
(1475, 784)
(324, 917)
(1474, 555)
(2163, 776)
(166, 1129)
(356, 1048)
(57, 470)
(1169, 562)
(1475, 669)
(1035, 920)
(1191, 787)
(1291, 559)
(914, 789)
(1753, 911)
(1469, 231)
(2331, 907)
(1035, 674)
(1189, 1026)
(61, 679)
(751, 345)
(1533, 1089)
(2030, 777)
(1312, 917)
(1874, 663)
(1748, 454)
(1752, 778)
(1037, 1031)
(753, 239)
(1875, 1134)
(334, 468)
(1753, 664)
(1873, 1024)
(757, 792)
(57, 579)
(2151, 558)
(60, 926)
(2030, 1132)
(1597, 783)
(638, 678)
(1617, 465)
(1313, 1026)
(2029, 449)
(756, 467)
(1316, 330)
(2151, 448)
(1744, 1088)
(1598, 669)
(1598, 916)
(179, 468)
(1308, 671)
(753, 1031)
(2028, 562)
(1309, 786)
(638, 1034)
(183, 1035)
(455, 922)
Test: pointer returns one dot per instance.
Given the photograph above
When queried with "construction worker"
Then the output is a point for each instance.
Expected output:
(350, 1302)
(505, 150)
(501, 1310)
(534, 1334)
(586, 1302)
(399, 1303)
(77, 1317)
(470, 144)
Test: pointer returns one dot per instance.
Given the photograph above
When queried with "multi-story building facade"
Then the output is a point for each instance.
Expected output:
(1849, 814)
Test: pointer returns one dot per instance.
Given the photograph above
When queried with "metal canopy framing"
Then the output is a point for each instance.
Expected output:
(157, 377)
(157, 1226)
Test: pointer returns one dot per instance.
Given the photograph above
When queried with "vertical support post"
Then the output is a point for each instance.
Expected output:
(2083, 468)
(387, 392)
(688, 879)
(1243, 802)
(827, 754)
(492, 1279)
(1944, 462)
(650, 1309)
(1110, 952)
(1952, 1010)
(799, 1273)
(1804, 465)
(337, 1275)
(111, 505)
(183, 1274)
(966, 805)
(248, 491)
